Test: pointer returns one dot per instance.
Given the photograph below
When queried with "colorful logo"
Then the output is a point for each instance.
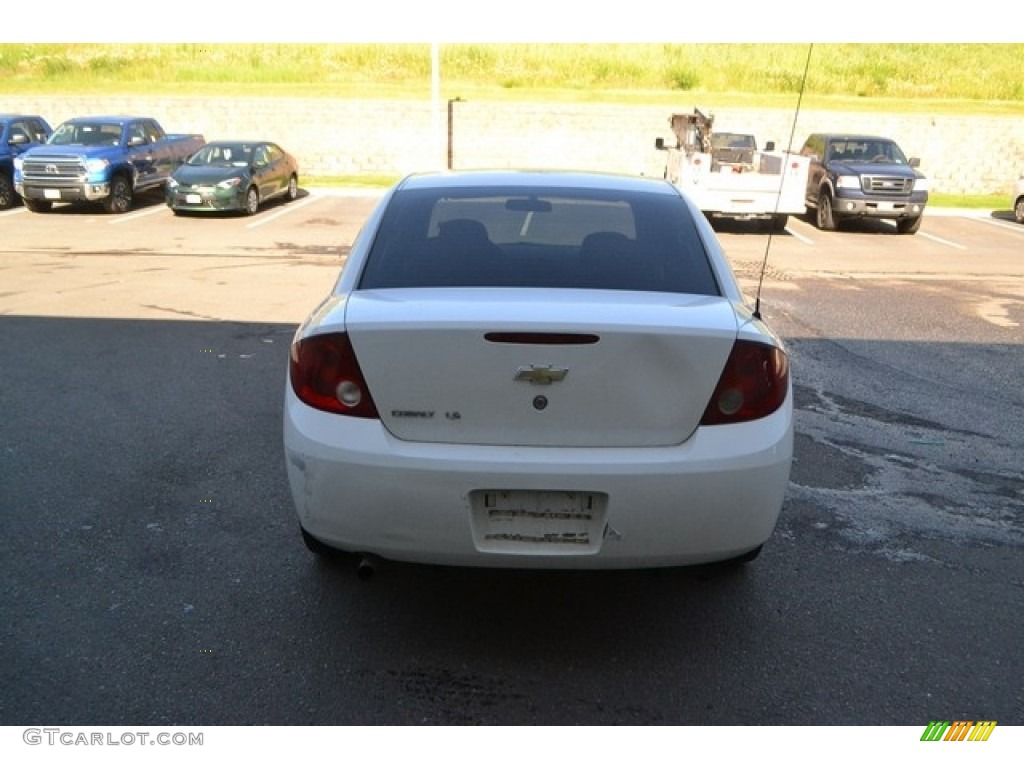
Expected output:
(960, 730)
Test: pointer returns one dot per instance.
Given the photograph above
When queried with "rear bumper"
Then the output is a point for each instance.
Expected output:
(359, 489)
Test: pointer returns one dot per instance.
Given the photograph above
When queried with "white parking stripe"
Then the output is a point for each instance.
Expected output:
(13, 211)
(942, 241)
(293, 206)
(138, 214)
(1010, 226)
(798, 236)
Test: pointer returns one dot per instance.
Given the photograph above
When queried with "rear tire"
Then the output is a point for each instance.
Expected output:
(314, 544)
(826, 218)
(7, 194)
(293, 188)
(325, 551)
(1018, 210)
(37, 206)
(908, 226)
(120, 199)
(739, 560)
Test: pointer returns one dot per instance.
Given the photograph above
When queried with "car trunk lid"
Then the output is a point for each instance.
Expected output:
(540, 367)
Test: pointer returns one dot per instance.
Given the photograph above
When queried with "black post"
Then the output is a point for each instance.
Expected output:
(451, 111)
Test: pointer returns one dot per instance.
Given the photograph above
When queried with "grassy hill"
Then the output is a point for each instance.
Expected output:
(980, 78)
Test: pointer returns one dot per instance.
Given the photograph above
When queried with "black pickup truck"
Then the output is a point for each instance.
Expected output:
(856, 176)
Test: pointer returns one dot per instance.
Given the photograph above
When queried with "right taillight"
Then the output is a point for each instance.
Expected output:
(753, 384)
(325, 375)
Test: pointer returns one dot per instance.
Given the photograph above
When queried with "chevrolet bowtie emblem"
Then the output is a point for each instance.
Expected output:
(541, 374)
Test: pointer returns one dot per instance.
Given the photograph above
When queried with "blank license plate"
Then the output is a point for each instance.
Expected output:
(51, 194)
(562, 522)
(193, 199)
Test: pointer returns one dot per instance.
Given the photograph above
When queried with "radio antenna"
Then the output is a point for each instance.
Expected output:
(782, 178)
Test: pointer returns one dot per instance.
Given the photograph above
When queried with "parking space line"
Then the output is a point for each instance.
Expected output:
(138, 214)
(942, 241)
(13, 211)
(1007, 225)
(288, 208)
(798, 236)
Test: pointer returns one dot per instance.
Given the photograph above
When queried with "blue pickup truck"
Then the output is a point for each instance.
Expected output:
(101, 159)
(18, 133)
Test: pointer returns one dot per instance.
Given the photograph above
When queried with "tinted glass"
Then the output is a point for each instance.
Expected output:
(558, 238)
(224, 153)
(866, 151)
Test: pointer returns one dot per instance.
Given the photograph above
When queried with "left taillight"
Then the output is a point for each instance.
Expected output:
(325, 374)
(753, 384)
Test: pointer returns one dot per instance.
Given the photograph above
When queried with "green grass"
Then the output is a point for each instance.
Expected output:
(982, 202)
(901, 77)
(369, 181)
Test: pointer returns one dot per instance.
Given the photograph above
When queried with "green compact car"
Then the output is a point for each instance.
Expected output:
(233, 176)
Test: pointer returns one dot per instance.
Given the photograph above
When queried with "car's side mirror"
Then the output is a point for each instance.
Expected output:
(18, 138)
(659, 143)
(914, 162)
(136, 141)
(769, 146)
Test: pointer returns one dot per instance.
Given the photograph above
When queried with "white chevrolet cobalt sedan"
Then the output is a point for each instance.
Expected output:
(537, 370)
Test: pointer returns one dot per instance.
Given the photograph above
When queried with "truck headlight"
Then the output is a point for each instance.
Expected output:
(848, 182)
(18, 163)
(96, 164)
(921, 185)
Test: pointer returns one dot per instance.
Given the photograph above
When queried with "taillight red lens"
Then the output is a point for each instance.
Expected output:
(753, 384)
(325, 375)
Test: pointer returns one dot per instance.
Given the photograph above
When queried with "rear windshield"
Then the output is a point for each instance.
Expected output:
(561, 238)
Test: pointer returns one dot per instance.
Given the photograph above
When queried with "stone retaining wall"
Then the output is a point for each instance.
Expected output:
(340, 137)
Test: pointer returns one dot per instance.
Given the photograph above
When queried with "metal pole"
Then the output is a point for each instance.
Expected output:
(435, 99)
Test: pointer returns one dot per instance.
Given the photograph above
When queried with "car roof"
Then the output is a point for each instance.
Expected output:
(106, 119)
(853, 137)
(18, 116)
(529, 178)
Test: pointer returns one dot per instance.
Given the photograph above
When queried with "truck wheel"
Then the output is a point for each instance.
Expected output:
(120, 200)
(37, 206)
(252, 201)
(1018, 210)
(7, 196)
(293, 187)
(826, 219)
(908, 226)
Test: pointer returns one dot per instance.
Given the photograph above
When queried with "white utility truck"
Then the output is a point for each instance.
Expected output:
(727, 176)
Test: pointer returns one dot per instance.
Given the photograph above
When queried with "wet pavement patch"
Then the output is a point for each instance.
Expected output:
(820, 465)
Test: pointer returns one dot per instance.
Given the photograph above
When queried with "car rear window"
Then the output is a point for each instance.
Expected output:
(557, 238)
